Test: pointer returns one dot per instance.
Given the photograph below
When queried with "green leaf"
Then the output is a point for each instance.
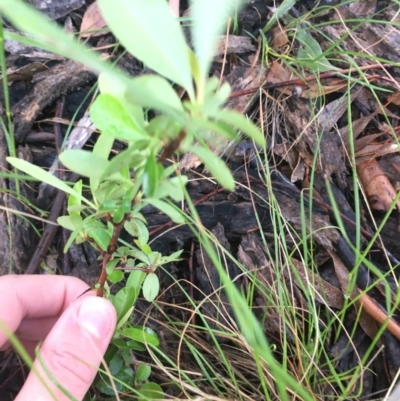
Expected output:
(150, 391)
(111, 118)
(171, 211)
(136, 254)
(49, 36)
(215, 95)
(117, 369)
(241, 122)
(135, 280)
(146, 249)
(114, 360)
(74, 202)
(141, 334)
(150, 91)
(174, 257)
(116, 276)
(118, 215)
(116, 86)
(151, 287)
(83, 162)
(149, 31)
(111, 265)
(164, 128)
(211, 128)
(69, 222)
(124, 318)
(154, 92)
(209, 19)
(194, 66)
(99, 233)
(143, 372)
(123, 300)
(128, 157)
(216, 166)
(172, 188)
(152, 174)
(102, 148)
(78, 233)
(136, 345)
(138, 229)
(108, 205)
(311, 53)
(125, 375)
(44, 176)
(283, 9)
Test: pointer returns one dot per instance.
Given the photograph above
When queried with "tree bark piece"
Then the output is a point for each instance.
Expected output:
(49, 86)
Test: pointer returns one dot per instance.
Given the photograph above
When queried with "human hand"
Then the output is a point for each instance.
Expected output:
(76, 331)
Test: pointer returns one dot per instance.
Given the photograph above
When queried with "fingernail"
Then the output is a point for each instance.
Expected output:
(95, 317)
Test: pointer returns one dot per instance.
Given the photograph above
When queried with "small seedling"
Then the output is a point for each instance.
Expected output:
(121, 186)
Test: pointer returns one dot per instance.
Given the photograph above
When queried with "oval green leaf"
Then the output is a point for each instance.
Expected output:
(171, 211)
(154, 92)
(138, 229)
(111, 118)
(83, 162)
(151, 287)
(123, 301)
(149, 31)
(66, 222)
(151, 176)
(116, 276)
(141, 334)
(143, 372)
(150, 391)
(74, 202)
(216, 166)
(242, 123)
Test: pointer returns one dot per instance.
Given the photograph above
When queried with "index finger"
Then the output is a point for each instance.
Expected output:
(34, 296)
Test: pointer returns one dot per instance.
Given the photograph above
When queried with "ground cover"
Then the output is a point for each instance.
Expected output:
(308, 237)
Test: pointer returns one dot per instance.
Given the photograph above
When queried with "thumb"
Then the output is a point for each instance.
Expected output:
(72, 351)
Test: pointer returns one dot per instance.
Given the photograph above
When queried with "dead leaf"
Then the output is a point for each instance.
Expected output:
(25, 73)
(304, 89)
(394, 98)
(361, 143)
(324, 292)
(299, 171)
(358, 126)
(287, 152)
(316, 89)
(279, 37)
(92, 21)
(378, 189)
(375, 149)
(314, 139)
(233, 44)
(278, 73)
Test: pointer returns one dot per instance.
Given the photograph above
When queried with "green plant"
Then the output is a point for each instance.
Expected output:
(297, 365)
(121, 186)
